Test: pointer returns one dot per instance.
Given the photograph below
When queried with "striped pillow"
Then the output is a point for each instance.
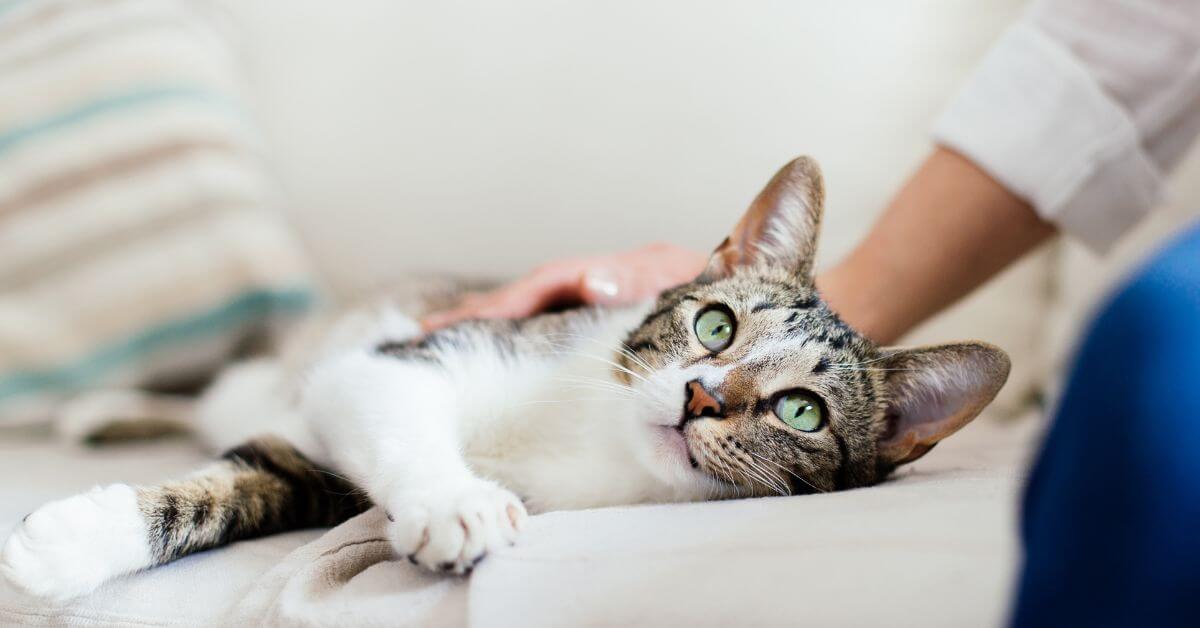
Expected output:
(136, 234)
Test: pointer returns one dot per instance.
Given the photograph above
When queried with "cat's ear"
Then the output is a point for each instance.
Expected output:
(933, 391)
(779, 229)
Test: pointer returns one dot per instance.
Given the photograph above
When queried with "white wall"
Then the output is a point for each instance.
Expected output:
(486, 137)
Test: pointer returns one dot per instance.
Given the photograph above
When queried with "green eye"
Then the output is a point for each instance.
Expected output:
(800, 411)
(714, 328)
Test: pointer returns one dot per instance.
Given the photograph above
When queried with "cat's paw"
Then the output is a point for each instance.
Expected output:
(452, 530)
(69, 547)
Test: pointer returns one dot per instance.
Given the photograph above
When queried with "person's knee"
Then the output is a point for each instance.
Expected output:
(1160, 303)
(1170, 278)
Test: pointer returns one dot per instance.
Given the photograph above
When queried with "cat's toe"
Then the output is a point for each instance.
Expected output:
(69, 547)
(491, 520)
(408, 530)
(446, 536)
(461, 528)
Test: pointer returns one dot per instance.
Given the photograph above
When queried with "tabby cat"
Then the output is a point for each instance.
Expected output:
(741, 383)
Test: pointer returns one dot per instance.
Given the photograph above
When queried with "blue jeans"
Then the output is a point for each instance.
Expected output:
(1111, 520)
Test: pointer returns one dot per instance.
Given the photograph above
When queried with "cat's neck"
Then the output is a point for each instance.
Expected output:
(567, 429)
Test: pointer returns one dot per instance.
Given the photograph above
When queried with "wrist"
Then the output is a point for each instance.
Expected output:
(854, 290)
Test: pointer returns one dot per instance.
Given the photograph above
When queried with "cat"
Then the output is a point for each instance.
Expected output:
(740, 383)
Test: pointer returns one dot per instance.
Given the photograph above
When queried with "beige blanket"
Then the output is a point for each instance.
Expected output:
(349, 577)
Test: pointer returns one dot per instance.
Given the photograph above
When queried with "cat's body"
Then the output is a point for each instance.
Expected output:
(535, 405)
(741, 383)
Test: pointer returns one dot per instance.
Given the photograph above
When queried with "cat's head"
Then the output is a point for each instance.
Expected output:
(751, 384)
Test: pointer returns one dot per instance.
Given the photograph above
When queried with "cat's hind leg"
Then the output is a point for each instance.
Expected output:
(102, 416)
(247, 399)
(69, 547)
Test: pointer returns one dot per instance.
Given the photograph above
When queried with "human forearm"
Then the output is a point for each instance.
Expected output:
(950, 229)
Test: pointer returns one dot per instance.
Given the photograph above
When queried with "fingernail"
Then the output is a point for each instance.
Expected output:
(601, 283)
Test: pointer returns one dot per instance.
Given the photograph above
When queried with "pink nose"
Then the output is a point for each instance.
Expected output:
(700, 402)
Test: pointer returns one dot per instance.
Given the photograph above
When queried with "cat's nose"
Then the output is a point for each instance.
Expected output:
(699, 402)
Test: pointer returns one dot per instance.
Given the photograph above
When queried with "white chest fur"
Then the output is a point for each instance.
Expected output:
(560, 430)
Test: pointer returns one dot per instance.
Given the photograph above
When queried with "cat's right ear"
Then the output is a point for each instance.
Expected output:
(934, 391)
(780, 228)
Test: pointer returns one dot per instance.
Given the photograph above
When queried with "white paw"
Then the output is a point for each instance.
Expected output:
(69, 547)
(452, 530)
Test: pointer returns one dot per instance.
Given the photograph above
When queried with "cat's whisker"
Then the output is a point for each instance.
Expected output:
(714, 487)
(625, 391)
(737, 488)
(747, 483)
(742, 471)
(615, 365)
(788, 471)
(592, 380)
(632, 355)
(600, 385)
(726, 472)
(634, 360)
(582, 381)
(601, 390)
(591, 357)
(610, 363)
(637, 360)
(622, 348)
(552, 401)
(770, 477)
(720, 467)
(749, 474)
(615, 395)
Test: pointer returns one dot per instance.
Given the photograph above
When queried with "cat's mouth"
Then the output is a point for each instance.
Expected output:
(680, 429)
(687, 449)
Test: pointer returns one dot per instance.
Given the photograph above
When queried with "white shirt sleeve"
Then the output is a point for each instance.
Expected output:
(1082, 107)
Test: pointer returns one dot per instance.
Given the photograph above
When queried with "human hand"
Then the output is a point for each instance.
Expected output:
(613, 279)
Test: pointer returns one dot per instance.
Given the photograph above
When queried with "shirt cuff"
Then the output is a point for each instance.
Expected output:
(1034, 119)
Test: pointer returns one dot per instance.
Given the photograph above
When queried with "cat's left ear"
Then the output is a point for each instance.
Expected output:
(780, 228)
(934, 391)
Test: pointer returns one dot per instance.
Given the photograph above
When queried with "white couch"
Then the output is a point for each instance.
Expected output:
(934, 547)
(466, 137)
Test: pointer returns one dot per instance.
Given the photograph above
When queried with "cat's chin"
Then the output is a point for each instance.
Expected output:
(670, 445)
(668, 459)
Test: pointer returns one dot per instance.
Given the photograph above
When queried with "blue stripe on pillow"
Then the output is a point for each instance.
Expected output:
(242, 309)
(140, 96)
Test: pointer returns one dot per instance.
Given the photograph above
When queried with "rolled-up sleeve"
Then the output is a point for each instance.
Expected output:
(1082, 108)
